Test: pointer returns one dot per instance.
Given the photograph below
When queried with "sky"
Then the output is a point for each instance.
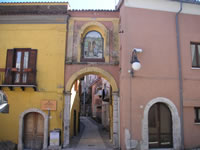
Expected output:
(78, 4)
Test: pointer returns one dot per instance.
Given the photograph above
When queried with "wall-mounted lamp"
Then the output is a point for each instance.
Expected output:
(135, 63)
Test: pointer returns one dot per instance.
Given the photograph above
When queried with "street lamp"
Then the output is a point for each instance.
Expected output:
(135, 63)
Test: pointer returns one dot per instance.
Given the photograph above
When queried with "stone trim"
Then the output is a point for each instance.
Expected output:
(67, 118)
(92, 70)
(33, 19)
(21, 127)
(116, 115)
(176, 126)
(104, 32)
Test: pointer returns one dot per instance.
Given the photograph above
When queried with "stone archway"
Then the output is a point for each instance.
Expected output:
(21, 127)
(115, 95)
(175, 123)
(92, 70)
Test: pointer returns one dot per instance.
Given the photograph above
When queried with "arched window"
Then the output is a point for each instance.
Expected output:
(93, 47)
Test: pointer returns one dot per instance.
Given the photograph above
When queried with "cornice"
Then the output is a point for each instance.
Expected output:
(33, 19)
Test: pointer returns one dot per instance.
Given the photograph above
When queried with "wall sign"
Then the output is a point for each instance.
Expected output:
(48, 105)
(54, 138)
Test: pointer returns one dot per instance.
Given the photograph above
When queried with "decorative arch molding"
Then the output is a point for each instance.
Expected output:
(91, 70)
(104, 32)
(93, 23)
(21, 127)
(176, 126)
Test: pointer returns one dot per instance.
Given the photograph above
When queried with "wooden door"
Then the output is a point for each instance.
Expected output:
(33, 131)
(160, 127)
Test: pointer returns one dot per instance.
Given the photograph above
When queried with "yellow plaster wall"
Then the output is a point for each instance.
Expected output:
(49, 40)
(75, 106)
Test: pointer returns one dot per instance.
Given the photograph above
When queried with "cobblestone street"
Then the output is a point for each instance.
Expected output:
(91, 137)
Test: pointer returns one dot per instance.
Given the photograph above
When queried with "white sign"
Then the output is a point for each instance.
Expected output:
(54, 138)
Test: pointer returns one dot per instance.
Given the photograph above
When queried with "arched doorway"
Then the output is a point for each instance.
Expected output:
(176, 132)
(33, 135)
(160, 126)
(115, 100)
(23, 120)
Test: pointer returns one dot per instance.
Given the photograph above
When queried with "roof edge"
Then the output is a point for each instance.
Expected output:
(27, 3)
(93, 10)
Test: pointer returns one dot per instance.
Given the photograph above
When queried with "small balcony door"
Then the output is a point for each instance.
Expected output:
(21, 65)
(160, 126)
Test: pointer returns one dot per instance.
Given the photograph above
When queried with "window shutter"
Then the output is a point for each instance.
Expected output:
(9, 66)
(32, 66)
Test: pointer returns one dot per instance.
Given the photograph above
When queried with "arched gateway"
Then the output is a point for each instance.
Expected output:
(115, 98)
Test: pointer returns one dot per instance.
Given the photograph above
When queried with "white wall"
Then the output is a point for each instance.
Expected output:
(164, 5)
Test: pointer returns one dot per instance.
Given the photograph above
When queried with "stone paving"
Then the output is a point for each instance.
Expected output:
(92, 137)
(7, 145)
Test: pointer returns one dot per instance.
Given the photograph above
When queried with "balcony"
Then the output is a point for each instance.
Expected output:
(25, 79)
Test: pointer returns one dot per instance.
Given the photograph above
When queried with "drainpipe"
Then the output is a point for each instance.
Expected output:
(66, 44)
(180, 74)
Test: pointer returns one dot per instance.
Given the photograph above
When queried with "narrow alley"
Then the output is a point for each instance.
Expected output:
(92, 137)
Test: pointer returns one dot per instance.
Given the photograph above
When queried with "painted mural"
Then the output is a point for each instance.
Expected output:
(93, 45)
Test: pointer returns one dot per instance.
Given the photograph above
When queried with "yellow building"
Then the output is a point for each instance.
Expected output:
(32, 50)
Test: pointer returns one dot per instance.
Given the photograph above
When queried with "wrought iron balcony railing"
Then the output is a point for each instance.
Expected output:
(9, 77)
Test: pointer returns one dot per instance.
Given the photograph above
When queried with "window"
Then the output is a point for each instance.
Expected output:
(197, 114)
(195, 48)
(4, 107)
(92, 48)
(3, 98)
(21, 67)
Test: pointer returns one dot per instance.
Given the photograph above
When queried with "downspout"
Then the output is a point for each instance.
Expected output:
(180, 74)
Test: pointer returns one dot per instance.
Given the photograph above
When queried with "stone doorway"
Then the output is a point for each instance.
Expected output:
(176, 133)
(33, 131)
(160, 126)
(22, 122)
